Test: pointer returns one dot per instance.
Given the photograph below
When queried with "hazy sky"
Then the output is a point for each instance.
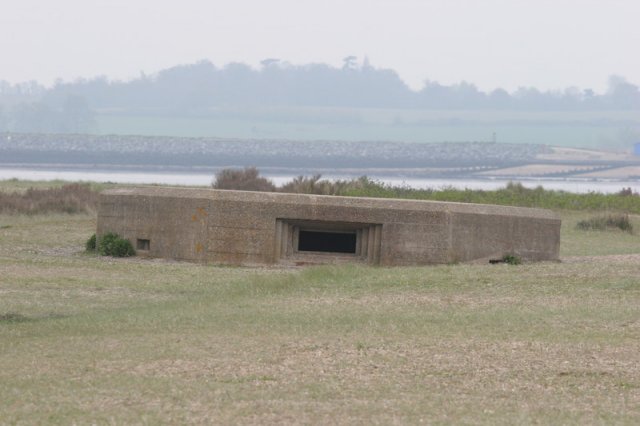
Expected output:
(549, 44)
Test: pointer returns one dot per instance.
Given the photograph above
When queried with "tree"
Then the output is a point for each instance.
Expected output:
(623, 94)
(4, 122)
(350, 62)
(266, 63)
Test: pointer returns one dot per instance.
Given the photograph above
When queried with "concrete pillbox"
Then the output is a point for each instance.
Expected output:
(256, 228)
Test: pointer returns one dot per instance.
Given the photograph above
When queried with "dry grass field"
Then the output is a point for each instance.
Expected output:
(91, 340)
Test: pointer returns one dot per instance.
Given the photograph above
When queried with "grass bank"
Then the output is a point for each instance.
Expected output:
(514, 194)
(39, 197)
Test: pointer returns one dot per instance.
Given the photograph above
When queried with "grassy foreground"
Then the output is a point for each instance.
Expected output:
(90, 340)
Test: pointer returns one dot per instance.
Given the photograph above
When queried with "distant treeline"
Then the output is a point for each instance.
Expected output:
(196, 88)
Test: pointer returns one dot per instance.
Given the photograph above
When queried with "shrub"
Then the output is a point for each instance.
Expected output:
(247, 179)
(511, 259)
(610, 221)
(316, 185)
(111, 244)
(627, 192)
(90, 245)
(73, 198)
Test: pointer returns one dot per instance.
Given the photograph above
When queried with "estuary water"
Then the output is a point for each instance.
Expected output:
(200, 178)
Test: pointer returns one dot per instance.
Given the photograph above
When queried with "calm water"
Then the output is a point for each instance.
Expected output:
(204, 179)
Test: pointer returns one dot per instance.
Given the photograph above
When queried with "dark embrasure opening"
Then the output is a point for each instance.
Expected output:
(142, 244)
(330, 242)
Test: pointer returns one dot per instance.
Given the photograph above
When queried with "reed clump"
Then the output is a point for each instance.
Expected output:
(247, 179)
(606, 222)
(72, 198)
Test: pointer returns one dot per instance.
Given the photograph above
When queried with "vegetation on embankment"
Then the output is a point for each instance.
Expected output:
(514, 194)
(606, 222)
(17, 197)
(71, 198)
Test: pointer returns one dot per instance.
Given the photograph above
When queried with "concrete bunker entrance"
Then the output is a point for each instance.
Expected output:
(327, 241)
(302, 241)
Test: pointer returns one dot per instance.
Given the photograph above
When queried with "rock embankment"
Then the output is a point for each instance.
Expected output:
(216, 152)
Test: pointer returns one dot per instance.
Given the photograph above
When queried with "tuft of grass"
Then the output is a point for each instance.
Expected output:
(606, 222)
(90, 245)
(12, 318)
(511, 259)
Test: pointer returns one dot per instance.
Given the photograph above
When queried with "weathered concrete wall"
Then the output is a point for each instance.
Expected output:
(262, 228)
(479, 232)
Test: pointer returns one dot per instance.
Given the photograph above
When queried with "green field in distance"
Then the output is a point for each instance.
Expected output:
(589, 129)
